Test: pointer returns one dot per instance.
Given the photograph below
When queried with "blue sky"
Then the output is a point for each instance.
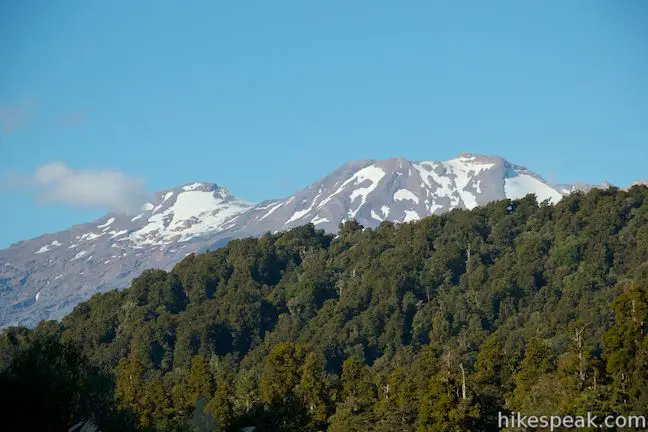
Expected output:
(266, 97)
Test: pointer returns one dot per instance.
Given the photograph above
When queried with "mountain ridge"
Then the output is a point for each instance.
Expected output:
(107, 253)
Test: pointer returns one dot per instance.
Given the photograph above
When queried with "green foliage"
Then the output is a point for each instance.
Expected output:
(49, 386)
(281, 373)
(434, 325)
(626, 348)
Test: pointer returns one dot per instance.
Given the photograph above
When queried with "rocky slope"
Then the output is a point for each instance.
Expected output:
(43, 278)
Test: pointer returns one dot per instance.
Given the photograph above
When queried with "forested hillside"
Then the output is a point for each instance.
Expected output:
(434, 325)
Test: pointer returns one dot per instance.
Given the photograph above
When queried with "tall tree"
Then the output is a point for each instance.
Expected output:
(626, 349)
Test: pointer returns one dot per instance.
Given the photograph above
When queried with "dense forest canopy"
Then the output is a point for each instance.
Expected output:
(435, 325)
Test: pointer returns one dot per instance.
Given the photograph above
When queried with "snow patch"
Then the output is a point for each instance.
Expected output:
(521, 185)
(117, 233)
(139, 216)
(464, 170)
(42, 250)
(404, 194)
(442, 185)
(37, 295)
(318, 220)
(372, 173)
(272, 209)
(167, 196)
(90, 236)
(434, 207)
(410, 216)
(385, 210)
(375, 216)
(192, 186)
(80, 254)
(265, 207)
(148, 207)
(193, 213)
(107, 223)
(299, 214)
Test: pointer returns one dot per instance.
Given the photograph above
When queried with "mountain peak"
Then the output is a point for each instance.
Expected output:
(465, 155)
(45, 277)
(199, 186)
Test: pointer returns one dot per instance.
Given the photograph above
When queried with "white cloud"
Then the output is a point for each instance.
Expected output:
(55, 182)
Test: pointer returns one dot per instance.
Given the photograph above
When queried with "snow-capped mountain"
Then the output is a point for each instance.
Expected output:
(45, 277)
(398, 190)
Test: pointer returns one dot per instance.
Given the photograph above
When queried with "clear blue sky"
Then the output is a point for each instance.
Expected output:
(265, 97)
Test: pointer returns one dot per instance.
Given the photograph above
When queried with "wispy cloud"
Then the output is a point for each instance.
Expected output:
(55, 182)
(14, 116)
